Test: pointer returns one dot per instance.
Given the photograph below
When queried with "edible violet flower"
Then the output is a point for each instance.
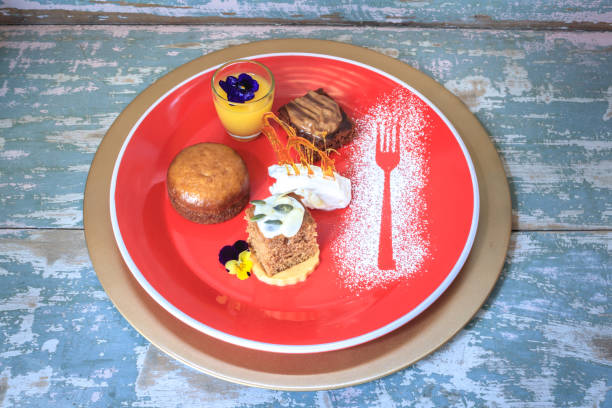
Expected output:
(237, 259)
(239, 89)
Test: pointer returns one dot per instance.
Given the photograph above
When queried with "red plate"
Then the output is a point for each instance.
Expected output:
(427, 230)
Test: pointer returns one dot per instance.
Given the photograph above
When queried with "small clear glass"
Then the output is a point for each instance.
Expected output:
(243, 121)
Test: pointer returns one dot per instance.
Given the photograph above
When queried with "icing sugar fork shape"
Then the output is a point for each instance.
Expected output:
(387, 158)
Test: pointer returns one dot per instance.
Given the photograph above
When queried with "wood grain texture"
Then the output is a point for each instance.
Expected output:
(526, 14)
(543, 338)
(545, 98)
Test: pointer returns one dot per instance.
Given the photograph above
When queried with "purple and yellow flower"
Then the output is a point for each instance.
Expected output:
(237, 259)
(239, 89)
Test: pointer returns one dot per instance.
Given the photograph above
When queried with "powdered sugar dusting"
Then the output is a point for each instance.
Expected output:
(355, 249)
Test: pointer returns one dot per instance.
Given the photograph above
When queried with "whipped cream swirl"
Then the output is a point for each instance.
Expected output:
(317, 191)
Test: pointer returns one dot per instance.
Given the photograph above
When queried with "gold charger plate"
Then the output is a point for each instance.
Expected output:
(306, 372)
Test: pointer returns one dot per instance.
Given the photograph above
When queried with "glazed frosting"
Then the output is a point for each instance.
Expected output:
(317, 191)
(275, 222)
(314, 113)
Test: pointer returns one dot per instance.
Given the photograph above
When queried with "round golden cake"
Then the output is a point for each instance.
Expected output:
(208, 183)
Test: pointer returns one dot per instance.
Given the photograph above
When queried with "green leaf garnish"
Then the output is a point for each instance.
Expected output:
(258, 202)
(257, 217)
(283, 208)
(274, 222)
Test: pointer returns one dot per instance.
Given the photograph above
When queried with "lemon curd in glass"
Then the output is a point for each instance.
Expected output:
(243, 121)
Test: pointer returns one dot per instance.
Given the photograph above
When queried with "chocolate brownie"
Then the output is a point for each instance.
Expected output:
(317, 117)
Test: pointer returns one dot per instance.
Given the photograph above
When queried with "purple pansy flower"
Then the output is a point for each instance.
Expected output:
(237, 259)
(230, 252)
(239, 89)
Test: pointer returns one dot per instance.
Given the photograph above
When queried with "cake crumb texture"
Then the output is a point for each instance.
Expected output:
(280, 253)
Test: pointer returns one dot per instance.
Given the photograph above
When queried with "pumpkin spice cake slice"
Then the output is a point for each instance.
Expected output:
(282, 236)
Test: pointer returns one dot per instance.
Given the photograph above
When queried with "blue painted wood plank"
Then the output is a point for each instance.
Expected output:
(545, 98)
(559, 14)
(543, 338)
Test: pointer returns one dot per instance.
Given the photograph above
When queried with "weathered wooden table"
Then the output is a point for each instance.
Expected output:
(537, 77)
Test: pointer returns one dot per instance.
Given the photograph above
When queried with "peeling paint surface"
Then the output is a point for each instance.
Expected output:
(64, 86)
(322, 11)
(544, 336)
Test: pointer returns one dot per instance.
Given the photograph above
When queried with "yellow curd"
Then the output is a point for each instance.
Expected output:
(244, 120)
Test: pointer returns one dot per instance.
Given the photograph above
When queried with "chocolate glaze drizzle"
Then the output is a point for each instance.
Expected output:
(314, 113)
